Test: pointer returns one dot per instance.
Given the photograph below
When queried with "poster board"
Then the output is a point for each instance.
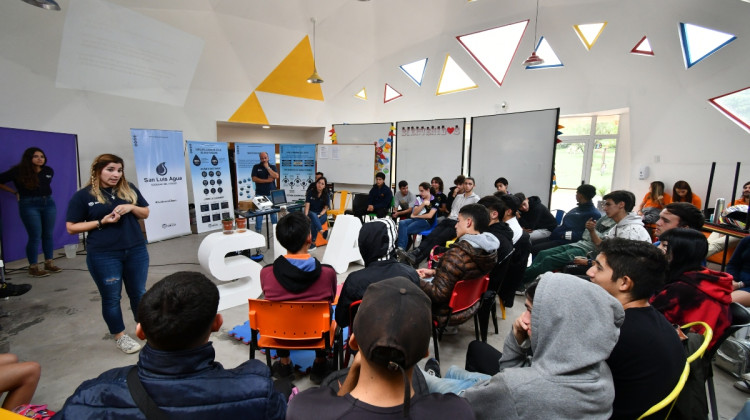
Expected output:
(518, 146)
(347, 163)
(429, 148)
(212, 184)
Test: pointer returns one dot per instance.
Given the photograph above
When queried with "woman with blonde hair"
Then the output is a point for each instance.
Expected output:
(32, 179)
(653, 202)
(108, 209)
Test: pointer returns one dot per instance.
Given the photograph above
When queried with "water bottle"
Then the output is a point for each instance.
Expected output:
(720, 203)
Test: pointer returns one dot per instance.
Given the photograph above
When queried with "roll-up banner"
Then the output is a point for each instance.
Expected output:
(297, 169)
(160, 165)
(245, 157)
(212, 184)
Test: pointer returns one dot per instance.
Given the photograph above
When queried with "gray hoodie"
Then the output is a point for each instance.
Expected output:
(484, 240)
(575, 325)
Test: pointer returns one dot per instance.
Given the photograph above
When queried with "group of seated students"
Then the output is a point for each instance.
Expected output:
(616, 364)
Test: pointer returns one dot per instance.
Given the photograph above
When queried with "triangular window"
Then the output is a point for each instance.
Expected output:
(736, 106)
(643, 47)
(589, 33)
(494, 49)
(545, 52)
(415, 70)
(362, 94)
(390, 94)
(453, 78)
(699, 42)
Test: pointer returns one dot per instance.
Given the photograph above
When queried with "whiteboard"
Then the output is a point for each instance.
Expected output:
(347, 163)
(518, 146)
(426, 149)
(378, 134)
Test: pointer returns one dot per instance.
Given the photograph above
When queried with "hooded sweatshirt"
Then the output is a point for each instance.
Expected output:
(298, 277)
(538, 216)
(575, 324)
(702, 295)
(630, 227)
(377, 245)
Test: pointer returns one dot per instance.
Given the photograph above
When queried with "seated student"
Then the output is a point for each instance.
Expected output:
(473, 255)
(568, 377)
(745, 197)
(437, 188)
(739, 268)
(310, 187)
(445, 230)
(653, 202)
(424, 211)
(177, 367)
(501, 185)
(456, 190)
(617, 206)
(316, 208)
(376, 245)
(573, 224)
(682, 193)
(692, 292)
(18, 379)
(649, 357)
(404, 201)
(535, 219)
(297, 276)
(683, 215)
(513, 204)
(392, 331)
(497, 226)
(378, 200)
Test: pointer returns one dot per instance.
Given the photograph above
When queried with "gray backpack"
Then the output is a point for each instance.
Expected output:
(733, 356)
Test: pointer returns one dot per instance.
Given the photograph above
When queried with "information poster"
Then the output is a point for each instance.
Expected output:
(160, 165)
(246, 156)
(297, 169)
(212, 184)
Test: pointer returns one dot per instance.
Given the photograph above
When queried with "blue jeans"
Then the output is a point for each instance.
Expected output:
(408, 227)
(110, 269)
(454, 380)
(316, 223)
(259, 221)
(38, 217)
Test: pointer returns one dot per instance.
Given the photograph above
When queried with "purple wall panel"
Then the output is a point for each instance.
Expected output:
(61, 151)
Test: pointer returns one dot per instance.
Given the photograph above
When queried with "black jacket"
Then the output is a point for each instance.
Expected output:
(538, 216)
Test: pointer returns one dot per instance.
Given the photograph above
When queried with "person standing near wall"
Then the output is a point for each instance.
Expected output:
(264, 176)
(33, 178)
(108, 209)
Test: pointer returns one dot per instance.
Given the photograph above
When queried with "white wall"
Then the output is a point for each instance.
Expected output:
(669, 113)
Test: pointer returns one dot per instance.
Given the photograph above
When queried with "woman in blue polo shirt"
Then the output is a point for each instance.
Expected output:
(33, 178)
(316, 206)
(108, 209)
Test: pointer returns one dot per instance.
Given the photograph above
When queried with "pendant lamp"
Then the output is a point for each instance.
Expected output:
(44, 4)
(315, 77)
(534, 60)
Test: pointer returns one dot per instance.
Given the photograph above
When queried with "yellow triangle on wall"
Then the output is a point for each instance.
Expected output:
(290, 76)
(362, 94)
(250, 111)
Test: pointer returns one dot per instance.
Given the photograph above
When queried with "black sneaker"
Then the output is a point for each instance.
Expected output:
(411, 258)
(432, 367)
(282, 371)
(324, 234)
(318, 371)
(9, 289)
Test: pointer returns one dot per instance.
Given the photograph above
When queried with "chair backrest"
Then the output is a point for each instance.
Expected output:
(559, 215)
(672, 397)
(290, 320)
(344, 199)
(359, 202)
(708, 334)
(353, 308)
(468, 292)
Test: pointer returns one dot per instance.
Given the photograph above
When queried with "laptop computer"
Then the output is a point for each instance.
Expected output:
(278, 199)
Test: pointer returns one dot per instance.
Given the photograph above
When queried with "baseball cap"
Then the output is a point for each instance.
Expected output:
(394, 314)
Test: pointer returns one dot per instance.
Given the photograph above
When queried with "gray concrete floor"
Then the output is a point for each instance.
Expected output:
(58, 324)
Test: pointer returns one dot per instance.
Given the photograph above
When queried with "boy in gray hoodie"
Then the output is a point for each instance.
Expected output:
(571, 326)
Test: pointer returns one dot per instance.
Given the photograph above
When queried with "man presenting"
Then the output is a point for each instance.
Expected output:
(264, 177)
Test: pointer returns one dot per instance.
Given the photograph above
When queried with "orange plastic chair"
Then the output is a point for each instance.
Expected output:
(342, 206)
(466, 293)
(290, 325)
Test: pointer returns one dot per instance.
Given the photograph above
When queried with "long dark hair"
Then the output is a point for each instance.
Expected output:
(439, 182)
(320, 194)
(686, 251)
(682, 185)
(27, 176)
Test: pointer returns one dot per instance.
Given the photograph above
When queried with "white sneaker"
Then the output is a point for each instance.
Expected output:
(127, 344)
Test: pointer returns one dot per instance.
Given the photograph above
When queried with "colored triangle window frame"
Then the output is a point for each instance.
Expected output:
(639, 50)
(362, 94)
(589, 44)
(449, 59)
(385, 93)
(417, 78)
(500, 69)
(686, 44)
(548, 64)
(729, 113)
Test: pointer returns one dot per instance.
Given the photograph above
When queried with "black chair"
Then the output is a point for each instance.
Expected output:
(740, 319)
(488, 306)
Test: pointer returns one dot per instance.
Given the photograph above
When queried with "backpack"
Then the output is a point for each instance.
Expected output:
(733, 356)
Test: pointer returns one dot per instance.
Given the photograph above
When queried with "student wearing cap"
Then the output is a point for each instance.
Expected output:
(393, 328)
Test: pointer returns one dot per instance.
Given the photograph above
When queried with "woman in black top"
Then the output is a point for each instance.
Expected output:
(32, 178)
(316, 206)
